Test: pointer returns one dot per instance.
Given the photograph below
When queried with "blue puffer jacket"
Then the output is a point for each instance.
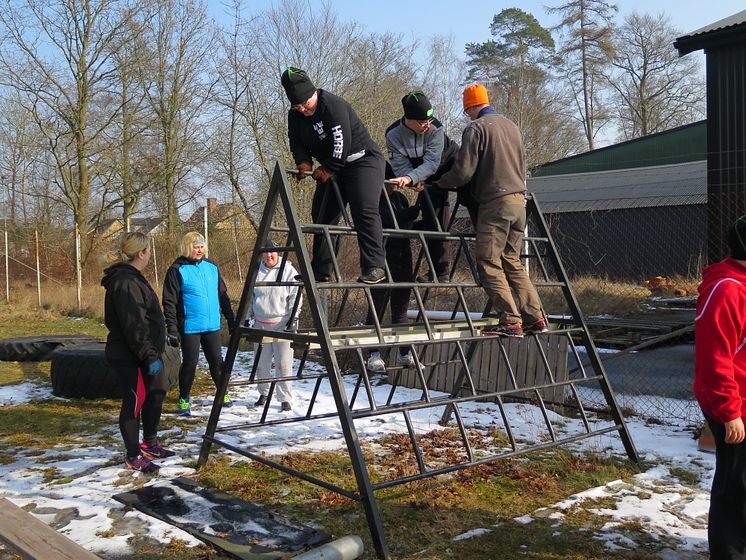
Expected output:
(194, 294)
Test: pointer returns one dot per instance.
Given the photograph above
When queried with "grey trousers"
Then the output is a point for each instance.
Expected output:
(500, 226)
(283, 355)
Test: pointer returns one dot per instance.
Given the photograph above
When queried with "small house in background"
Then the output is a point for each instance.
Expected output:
(632, 210)
(226, 216)
(111, 228)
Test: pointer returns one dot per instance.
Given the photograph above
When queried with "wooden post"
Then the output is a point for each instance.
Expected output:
(38, 267)
(205, 224)
(235, 245)
(78, 272)
(7, 275)
(155, 260)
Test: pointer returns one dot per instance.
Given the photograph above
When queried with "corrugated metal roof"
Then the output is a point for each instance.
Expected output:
(721, 34)
(730, 21)
(663, 185)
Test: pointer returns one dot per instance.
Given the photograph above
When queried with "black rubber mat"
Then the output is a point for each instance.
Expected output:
(243, 529)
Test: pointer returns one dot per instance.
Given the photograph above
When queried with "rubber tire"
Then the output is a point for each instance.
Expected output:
(38, 348)
(82, 372)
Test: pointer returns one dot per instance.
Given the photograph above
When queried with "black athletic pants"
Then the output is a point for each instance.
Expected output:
(399, 259)
(143, 396)
(726, 529)
(442, 208)
(360, 184)
(190, 343)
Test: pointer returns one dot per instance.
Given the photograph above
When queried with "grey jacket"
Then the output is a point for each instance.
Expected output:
(415, 155)
(491, 158)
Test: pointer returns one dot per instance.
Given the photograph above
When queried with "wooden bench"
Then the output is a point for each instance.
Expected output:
(32, 539)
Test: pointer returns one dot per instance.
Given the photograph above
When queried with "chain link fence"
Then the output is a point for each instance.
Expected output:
(635, 271)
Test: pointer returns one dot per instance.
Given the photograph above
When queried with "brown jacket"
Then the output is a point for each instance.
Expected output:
(491, 158)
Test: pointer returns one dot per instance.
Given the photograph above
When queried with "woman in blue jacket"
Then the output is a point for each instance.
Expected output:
(194, 294)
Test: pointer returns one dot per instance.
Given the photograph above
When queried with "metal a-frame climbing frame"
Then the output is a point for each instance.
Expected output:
(460, 332)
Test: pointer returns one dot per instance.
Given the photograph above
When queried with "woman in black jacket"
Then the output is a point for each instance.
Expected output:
(134, 345)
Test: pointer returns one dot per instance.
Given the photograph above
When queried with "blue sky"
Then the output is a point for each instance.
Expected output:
(470, 22)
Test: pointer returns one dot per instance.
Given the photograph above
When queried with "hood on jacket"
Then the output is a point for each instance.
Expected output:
(117, 270)
(727, 268)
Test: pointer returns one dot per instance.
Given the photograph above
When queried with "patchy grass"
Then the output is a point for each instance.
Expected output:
(23, 321)
(420, 518)
(685, 476)
(423, 517)
(47, 424)
(16, 372)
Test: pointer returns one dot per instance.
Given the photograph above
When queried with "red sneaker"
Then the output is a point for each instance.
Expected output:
(537, 327)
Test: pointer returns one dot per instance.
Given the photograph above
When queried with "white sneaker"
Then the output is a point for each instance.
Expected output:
(407, 360)
(376, 363)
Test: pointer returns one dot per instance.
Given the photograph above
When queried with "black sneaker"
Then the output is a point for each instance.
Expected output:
(372, 275)
(513, 330)
(260, 401)
(320, 278)
(155, 451)
(285, 407)
(428, 278)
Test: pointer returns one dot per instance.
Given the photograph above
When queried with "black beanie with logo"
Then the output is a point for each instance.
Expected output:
(417, 106)
(298, 86)
(737, 239)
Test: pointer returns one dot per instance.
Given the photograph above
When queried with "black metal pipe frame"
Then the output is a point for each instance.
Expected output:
(331, 342)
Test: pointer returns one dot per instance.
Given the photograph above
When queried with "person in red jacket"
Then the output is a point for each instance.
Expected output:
(720, 389)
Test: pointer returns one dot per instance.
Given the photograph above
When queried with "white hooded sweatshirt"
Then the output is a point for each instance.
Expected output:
(274, 304)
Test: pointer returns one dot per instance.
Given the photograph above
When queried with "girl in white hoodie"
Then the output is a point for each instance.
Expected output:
(271, 309)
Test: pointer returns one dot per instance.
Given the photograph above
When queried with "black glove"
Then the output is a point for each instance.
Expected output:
(231, 327)
(173, 340)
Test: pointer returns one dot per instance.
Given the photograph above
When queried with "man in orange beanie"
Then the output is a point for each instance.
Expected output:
(492, 159)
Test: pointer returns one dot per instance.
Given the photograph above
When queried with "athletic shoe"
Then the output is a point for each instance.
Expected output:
(537, 327)
(152, 452)
(376, 363)
(513, 330)
(405, 360)
(428, 278)
(285, 407)
(260, 401)
(184, 407)
(227, 402)
(140, 463)
(372, 275)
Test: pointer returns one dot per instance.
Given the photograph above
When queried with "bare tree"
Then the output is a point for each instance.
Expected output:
(57, 56)
(442, 81)
(18, 140)
(586, 50)
(519, 67)
(177, 42)
(654, 88)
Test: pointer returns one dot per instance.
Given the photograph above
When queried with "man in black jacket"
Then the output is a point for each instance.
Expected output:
(324, 127)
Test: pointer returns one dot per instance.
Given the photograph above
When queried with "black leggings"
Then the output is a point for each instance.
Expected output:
(726, 529)
(143, 395)
(190, 343)
(360, 184)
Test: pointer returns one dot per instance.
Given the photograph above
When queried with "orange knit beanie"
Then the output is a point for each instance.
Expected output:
(475, 94)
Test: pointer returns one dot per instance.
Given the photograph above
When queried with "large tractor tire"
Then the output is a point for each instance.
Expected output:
(82, 372)
(38, 348)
